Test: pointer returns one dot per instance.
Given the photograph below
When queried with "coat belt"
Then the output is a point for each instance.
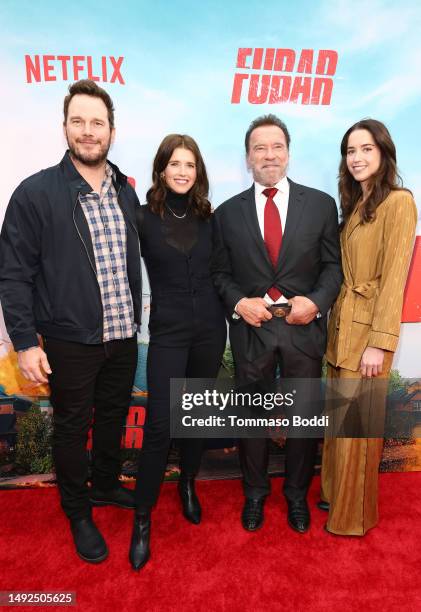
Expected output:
(366, 290)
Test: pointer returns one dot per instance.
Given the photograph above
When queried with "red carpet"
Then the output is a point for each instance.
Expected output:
(218, 566)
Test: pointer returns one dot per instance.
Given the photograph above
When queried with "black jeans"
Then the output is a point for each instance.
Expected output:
(88, 382)
(199, 358)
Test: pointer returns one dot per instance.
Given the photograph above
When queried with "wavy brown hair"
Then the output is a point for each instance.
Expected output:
(385, 180)
(198, 194)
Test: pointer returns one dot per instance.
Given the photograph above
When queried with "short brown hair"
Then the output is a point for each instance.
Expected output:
(89, 88)
(198, 195)
(266, 120)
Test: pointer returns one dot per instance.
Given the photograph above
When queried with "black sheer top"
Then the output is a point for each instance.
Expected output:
(176, 248)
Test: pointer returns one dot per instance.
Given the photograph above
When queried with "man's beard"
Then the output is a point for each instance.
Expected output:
(88, 159)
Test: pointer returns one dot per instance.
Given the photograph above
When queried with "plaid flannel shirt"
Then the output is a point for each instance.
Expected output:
(108, 233)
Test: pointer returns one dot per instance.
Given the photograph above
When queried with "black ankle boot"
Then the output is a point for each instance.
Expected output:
(191, 506)
(139, 547)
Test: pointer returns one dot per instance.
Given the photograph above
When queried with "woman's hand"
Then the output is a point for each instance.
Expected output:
(372, 362)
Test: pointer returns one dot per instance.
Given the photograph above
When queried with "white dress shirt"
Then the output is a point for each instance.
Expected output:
(281, 200)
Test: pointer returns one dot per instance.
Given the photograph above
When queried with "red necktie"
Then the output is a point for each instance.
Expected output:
(272, 234)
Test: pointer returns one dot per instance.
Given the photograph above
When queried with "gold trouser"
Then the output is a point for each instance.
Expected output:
(350, 466)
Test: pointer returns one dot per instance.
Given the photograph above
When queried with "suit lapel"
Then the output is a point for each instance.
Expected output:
(250, 217)
(295, 208)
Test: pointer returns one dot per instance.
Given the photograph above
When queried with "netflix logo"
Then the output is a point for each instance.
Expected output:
(74, 67)
(272, 76)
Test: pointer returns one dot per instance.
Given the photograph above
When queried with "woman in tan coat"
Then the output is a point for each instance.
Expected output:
(377, 232)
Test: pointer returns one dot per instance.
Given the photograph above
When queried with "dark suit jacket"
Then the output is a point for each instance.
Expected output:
(309, 264)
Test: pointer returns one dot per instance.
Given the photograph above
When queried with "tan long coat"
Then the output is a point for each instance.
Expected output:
(375, 260)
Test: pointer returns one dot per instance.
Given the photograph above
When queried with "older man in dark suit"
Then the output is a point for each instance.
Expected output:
(277, 267)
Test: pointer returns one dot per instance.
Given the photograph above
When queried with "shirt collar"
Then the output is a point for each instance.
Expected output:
(108, 180)
(109, 171)
(282, 186)
(69, 169)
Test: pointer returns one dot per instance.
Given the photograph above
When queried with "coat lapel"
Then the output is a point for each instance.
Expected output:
(353, 222)
(295, 208)
(250, 216)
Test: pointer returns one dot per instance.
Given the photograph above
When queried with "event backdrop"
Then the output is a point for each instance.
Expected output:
(207, 69)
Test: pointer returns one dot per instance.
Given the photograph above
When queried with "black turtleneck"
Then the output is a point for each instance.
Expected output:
(180, 225)
(176, 248)
(179, 201)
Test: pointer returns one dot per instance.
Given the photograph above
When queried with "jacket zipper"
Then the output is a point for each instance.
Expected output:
(130, 222)
(137, 236)
(90, 262)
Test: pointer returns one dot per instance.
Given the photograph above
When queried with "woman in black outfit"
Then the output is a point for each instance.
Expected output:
(187, 324)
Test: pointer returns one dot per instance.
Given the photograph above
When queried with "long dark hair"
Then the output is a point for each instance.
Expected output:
(198, 194)
(385, 180)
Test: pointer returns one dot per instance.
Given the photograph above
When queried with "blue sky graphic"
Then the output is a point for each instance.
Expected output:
(179, 65)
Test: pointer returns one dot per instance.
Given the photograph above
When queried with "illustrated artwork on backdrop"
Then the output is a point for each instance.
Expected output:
(158, 89)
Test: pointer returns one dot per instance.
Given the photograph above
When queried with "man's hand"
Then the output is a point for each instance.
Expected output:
(303, 311)
(254, 311)
(34, 365)
(372, 362)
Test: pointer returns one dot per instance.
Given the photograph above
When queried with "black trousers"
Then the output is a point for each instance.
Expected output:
(199, 356)
(88, 382)
(300, 453)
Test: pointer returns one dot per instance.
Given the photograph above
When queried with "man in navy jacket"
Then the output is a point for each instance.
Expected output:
(70, 289)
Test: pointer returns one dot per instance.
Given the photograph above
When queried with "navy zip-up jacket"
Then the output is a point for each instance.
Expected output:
(48, 281)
